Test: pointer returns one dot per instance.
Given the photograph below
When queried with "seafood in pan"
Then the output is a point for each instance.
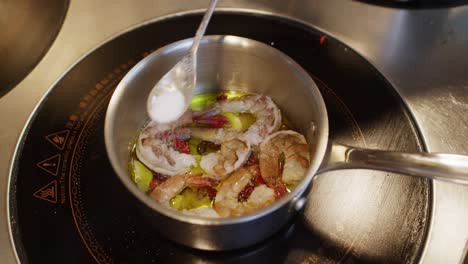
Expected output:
(229, 155)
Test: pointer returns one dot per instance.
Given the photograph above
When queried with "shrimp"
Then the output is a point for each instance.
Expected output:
(267, 114)
(174, 185)
(227, 199)
(156, 147)
(284, 155)
(233, 152)
(157, 150)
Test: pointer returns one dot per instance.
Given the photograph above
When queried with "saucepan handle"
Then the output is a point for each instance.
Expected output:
(437, 166)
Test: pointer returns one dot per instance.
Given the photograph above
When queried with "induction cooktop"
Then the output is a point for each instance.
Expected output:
(387, 84)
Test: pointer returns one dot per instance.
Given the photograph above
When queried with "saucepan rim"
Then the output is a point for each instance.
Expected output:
(318, 126)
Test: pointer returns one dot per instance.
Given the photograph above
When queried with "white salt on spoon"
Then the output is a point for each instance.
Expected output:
(167, 107)
(171, 96)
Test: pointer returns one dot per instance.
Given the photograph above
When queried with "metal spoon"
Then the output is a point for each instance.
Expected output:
(171, 95)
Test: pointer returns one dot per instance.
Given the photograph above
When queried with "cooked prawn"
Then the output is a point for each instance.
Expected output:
(267, 114)
(227, 199)
(155, 147)
(232, 154)
(165, 191)
(284, 155)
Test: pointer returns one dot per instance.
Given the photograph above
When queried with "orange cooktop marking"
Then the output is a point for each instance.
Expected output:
(58, 139)
(51, 165)
(48, 193)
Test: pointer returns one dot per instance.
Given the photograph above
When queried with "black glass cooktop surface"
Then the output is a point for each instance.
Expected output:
(67, 205)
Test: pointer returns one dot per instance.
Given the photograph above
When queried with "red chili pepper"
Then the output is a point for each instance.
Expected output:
(158, 178)
(215, 121)
(245, 194)
(322, 39)
(154, 182)
(182, 146)
(211, 192)
(252, 160)
(280, 190)
(258, 180)
(221, 97)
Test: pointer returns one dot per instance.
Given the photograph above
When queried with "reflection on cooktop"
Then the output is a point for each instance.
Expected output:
(419, 4)
(28, 30)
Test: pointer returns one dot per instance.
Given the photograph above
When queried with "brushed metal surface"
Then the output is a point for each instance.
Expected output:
(27, 30)
(423, 53)
(436, 166)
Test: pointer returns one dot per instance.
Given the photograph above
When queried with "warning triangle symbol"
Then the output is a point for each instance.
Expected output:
(48, 192)
(58, 139)
(51, 165)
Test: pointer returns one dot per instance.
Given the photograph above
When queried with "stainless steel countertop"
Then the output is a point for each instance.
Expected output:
(423, 53)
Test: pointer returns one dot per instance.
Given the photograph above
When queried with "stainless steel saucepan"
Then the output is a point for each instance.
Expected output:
(235, 63)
